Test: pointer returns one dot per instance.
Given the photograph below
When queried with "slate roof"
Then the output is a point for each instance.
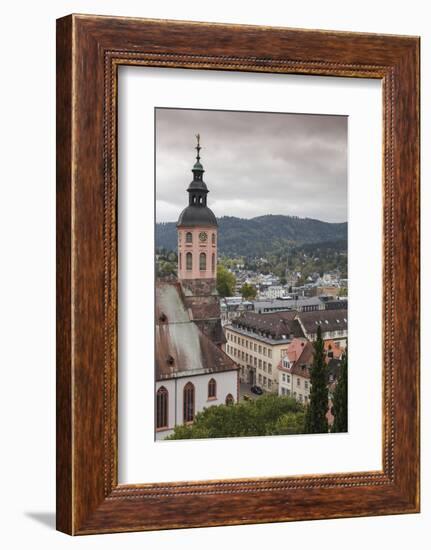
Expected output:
(197, 215)
(276, 326)
(181, 348)
(329, 320)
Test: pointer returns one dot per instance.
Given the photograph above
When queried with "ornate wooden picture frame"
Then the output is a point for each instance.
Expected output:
(89, 51)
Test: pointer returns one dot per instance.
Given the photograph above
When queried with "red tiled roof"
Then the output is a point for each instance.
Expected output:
(304, 362)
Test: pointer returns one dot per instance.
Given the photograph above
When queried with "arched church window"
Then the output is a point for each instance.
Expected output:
(229, 399)
(202, 261)
(162, 407)
(213, 237)
(188, 403)
(213, 262)
(189, 237)
(212, 389)
(180, 257)
(189, 261)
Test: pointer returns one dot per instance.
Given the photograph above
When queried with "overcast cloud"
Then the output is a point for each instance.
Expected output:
(255, 163)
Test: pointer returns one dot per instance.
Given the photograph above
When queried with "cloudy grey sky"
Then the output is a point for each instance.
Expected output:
(255, 163)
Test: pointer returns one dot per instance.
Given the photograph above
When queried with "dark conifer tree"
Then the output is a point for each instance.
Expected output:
(340, 399)
(315, 418)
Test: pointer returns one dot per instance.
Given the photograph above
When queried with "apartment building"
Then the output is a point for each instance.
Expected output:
(257, 343)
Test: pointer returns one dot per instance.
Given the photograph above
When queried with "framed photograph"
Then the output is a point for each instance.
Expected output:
(237, 274)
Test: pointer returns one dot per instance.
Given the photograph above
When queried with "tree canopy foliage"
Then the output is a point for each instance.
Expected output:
(225, 282)
(266, 415)
(248, 292)
(340, 399)
(315, 418)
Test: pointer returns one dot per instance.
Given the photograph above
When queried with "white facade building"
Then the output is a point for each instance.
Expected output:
(226, 390)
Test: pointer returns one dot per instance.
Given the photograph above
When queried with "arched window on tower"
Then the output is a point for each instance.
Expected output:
(213, 262)
(189, 237)
(202, 261)
(229, 399)
(180, 257)
(212, 389)
(162, 408)
(189, 261)
(213, 238)
(188, 403)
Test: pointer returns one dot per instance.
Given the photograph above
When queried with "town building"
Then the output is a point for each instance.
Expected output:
(333, 324)
(272, 292)
(192, 370)
(257, 342)
(294, 370)
(232, 307)
(285, 304)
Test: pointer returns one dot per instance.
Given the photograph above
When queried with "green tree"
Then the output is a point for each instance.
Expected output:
(225, 282)
(290, 423)
(315, 417)
(267, 415)
(340, 399)
(166, 268)
(248, 291)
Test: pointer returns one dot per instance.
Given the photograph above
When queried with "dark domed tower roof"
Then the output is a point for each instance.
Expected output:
(196, 216)
(197, 212)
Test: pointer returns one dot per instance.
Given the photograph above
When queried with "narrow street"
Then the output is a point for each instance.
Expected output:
(244, 389)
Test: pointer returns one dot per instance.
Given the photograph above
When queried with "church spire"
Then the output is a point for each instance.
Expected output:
(197, 212)
(197, 189)
(198, 169)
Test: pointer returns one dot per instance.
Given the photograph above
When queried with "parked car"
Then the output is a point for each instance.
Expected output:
(257, 390)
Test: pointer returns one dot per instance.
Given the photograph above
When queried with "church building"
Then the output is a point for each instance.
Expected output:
(192, 370)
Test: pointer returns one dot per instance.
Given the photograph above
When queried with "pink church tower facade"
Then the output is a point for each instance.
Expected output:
(197, 236)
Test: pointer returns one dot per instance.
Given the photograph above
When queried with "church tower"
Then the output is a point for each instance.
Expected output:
(197, 236)
(197, 257)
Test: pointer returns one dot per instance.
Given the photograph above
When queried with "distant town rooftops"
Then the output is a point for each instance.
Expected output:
(287, 303)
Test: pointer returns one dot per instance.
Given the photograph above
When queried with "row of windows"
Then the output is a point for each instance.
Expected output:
(331, 334)
(189, 237)
(267, 352)
(286, 378)
(302, 398)
(202, 261)
(249, 359)
(264, 381)
(162, 399)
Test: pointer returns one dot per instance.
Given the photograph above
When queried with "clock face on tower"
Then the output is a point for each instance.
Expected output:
(203, 236)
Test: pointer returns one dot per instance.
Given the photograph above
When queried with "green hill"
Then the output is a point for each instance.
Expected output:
(258, 236)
